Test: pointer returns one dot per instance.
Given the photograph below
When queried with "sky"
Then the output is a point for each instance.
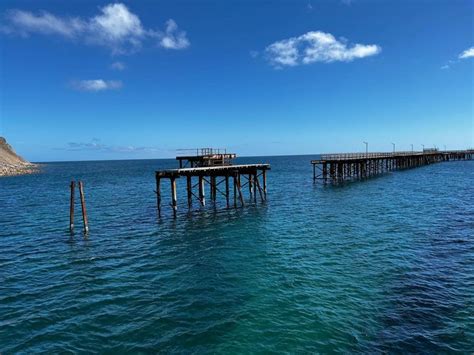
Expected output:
(91, 80)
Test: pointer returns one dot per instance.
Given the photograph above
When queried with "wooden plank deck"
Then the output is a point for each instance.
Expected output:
(213, 170)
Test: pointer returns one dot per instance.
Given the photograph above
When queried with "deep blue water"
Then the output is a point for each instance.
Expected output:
(383, 265)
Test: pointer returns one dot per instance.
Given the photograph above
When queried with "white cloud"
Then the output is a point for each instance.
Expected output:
(115, 27)
(25, 22)
(96, 145)
(316, 46)
(468, 53)
(173, 38)
(96, 85)
(118, 66)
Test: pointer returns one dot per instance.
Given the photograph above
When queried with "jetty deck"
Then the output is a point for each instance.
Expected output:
(337, 168)
(214, 168)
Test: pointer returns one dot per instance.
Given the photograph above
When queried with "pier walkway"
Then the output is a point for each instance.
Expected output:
(337, 168)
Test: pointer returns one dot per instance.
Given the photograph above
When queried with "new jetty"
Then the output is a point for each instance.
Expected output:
(215, 168)
(336, 168)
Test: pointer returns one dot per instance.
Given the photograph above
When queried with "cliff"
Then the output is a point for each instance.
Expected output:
(11, 163)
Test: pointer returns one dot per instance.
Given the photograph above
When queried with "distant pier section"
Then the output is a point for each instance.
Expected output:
(336, 168)
(215, 172)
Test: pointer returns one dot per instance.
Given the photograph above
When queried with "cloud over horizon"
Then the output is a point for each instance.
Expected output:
(96, 145)
(316, 46)
(96, 85)
(115, 28)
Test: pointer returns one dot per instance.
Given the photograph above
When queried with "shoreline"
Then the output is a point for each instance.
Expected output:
(18, 169)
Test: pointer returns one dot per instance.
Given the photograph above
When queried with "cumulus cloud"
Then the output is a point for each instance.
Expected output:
(118, 66)
(96, 85)
(316, 46)
(172, 37)
(468, 53)
(115, 27)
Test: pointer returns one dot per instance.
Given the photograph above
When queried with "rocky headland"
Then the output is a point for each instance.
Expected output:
(12, 164)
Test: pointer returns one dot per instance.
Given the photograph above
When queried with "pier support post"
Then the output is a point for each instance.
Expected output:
(158, 194)
(255, 187)
(264, 180)
(227, 190)
(202, 197)
(190, 191)
(173, 196)
(83, 207)
(234, 181)
(257, 182)
(239, 189)
(250, 185)
(213, 188)
(71, 207)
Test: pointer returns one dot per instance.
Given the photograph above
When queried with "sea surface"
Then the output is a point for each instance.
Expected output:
(376, 266)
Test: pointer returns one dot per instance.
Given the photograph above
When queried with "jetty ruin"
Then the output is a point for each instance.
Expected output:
(337, 168)
(214, 168)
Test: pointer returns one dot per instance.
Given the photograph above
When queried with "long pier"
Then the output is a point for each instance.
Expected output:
(336, 168)
(213, 168)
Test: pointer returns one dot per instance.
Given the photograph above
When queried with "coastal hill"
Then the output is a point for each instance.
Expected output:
(8, 155)
(11, 163)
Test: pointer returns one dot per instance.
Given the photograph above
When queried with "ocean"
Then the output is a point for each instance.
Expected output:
(374, 266)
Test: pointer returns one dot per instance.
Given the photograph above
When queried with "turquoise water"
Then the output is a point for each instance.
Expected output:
(383, 265)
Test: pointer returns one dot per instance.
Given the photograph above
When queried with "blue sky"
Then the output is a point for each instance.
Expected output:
(93, 80)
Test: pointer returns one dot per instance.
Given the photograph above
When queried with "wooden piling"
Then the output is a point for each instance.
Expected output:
(189, 188)
(264, 181)
(234, 182)
(213, 188)
(202, 196)
(158, 194)
(71, 207)
(250, 185)
(174, 198)
(239, 189)
(257, 182)
(227, 190)
(83, 207)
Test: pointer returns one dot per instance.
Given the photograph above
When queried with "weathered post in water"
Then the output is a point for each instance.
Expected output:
(174, 197)
(83, 206)
(71, 207)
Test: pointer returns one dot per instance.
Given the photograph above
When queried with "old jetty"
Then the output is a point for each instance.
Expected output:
(215, 168)
(336, 168)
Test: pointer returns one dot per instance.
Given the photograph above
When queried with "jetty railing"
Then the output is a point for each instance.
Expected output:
(375, 155)
(201, 151)
(344, 166)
